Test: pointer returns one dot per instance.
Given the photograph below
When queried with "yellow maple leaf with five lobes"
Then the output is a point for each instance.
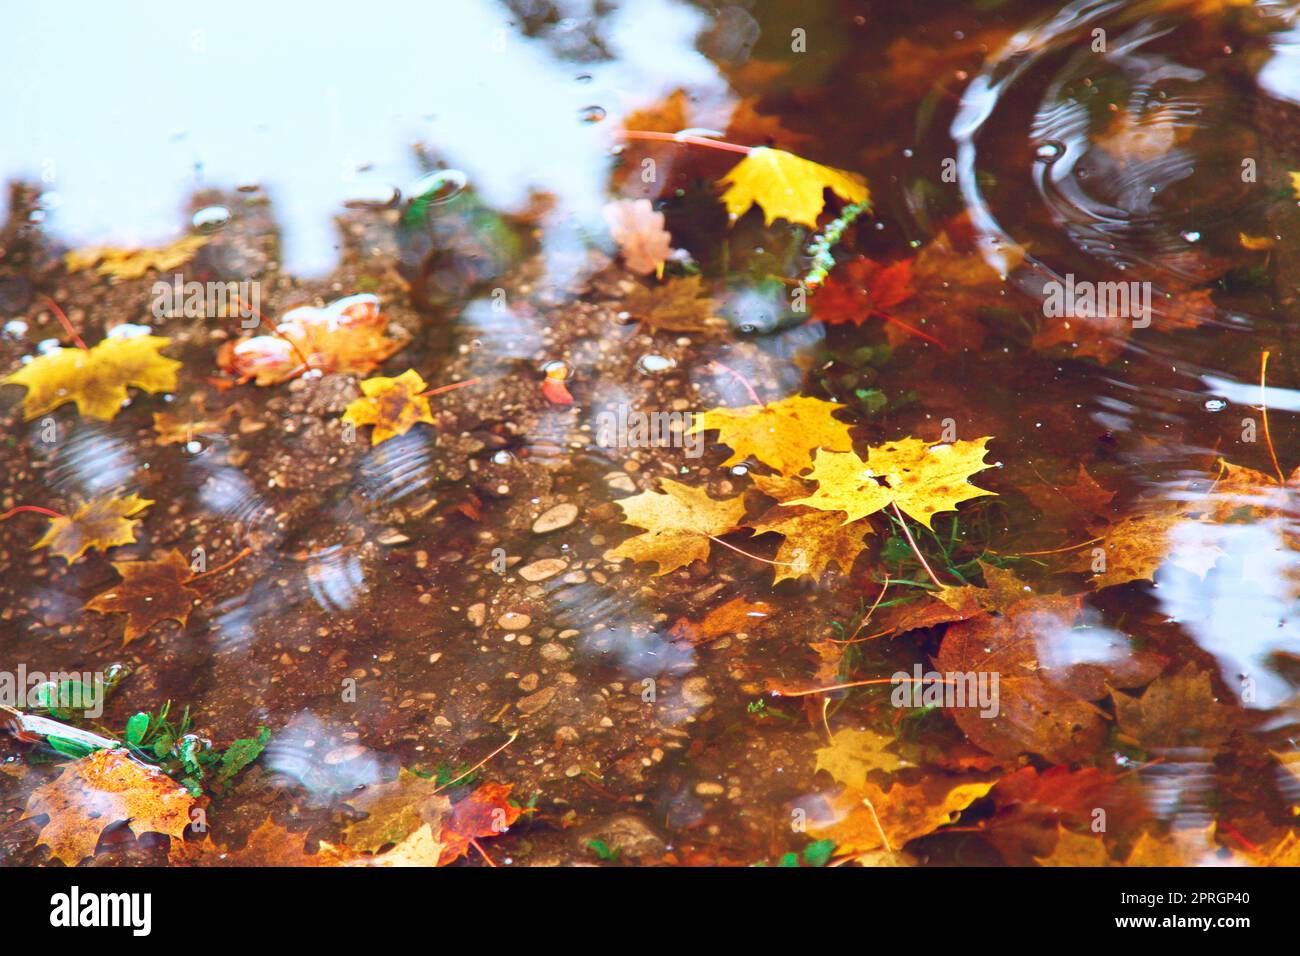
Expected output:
(95, 379)
(780, 434)
(134, 263)
(95, 792)
(867, 818)
(786, 186)
(852, 754)
(679, 523)
(103, 523)
(392, 405)
(922, 478)
(813, 539)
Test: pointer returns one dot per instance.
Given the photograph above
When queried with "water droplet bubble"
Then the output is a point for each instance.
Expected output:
(1050, 151)
(591, 114)
(1215, 404)
(210, 218)
(441, 186)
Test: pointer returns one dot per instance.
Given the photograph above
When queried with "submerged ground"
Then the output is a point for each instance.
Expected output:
(466, 644)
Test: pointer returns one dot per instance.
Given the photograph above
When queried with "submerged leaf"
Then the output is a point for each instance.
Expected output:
(134, 263)
(640, 234)
(149, 592)
(97, 791)
(103, 523)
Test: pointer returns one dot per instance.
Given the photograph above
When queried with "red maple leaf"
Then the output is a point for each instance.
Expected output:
(484, 813)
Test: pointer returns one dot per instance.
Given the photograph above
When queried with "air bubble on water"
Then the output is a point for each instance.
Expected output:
(441, 186)
(591, 114)
(1215, 404)
(1050, 151)
(650, 364)
(46, 346)
(1192, 236)
(15, 328)
(741, 470)
(128, 330)
(583, 77)
(210, 218)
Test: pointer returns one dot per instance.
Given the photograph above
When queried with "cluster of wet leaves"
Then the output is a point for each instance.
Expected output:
(879, 507)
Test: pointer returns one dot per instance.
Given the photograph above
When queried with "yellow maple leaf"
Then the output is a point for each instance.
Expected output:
(395, 811)
(780, 434)
(134, 263)
(104, 788)
(813, 539)
(679, 523)
(852, 754)
(392, 405)
(786, 186)
(867, 819)
(1074, 849)
(102, 523)
(1295, 184)
(95, 379)
(922, 478)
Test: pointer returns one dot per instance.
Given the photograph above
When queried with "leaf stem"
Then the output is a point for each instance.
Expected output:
(221, 567)
(66, 323)
(655, 136)
(912, 541)
(35, 509)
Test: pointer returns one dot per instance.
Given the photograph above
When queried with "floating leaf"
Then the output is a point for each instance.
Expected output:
(96, 379)
(348, 335)
(149, 592)
(736, 615)
(102, 523)
(813, 539)
(861, 288)
(679, 523)
(922, 478)
(392, 405)
(134, 263)
(268, 845)
(782, 435)
(97, 791)
(786, 186)
(1177, 711)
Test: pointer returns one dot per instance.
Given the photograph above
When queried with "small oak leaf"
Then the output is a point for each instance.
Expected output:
(679, 523)
(96, 379)
(102, 523)
(782, 435)
(99, 790)
(922, 478)
(149, 592)
(786, 186)
(392, 405)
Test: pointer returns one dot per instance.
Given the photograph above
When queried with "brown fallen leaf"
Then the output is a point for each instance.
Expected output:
(1076, 849)
(269, 845)
(102, 523)
(1177, 711)
(99, 790)
(678, 305)
(149, 592)
(1047, 671)
(736, 615)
